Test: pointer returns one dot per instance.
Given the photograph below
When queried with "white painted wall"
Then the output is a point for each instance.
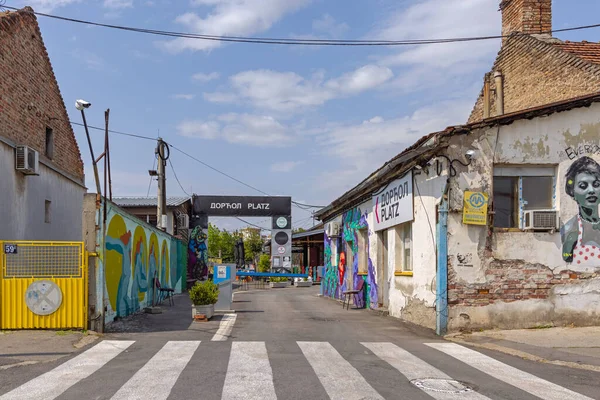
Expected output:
(22, 203)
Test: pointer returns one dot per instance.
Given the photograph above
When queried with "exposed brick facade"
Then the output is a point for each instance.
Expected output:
(30, 99)
(537, 72)
(508, 281)
(526, 16)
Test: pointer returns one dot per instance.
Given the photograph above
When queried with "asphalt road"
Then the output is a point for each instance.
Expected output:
(287, 344)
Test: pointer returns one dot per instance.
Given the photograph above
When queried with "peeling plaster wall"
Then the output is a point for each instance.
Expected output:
(413, 297)
(519, 279)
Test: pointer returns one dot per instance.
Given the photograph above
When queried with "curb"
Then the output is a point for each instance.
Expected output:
(522, 354)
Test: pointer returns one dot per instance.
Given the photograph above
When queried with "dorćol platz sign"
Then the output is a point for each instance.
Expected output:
(393, 204)
(238, 206)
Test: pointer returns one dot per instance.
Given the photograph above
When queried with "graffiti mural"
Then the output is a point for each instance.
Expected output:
(335, 275)
(581, 234)
(134, 255)
(198, 254)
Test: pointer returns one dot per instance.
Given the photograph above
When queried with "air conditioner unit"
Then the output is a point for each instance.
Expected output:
(541, 220)
(183, 221)
(333, 229)
(27, 160)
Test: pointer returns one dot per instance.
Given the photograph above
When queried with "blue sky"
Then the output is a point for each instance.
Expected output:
(291, 120)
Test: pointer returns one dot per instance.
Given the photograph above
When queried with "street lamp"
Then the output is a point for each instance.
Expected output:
(81, 105)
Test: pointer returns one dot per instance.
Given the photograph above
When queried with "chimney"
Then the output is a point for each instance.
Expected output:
(526, 16)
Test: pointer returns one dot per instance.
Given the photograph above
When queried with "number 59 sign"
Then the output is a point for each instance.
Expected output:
(10, 248)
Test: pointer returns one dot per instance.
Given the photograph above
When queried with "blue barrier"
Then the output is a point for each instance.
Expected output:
(269, 274)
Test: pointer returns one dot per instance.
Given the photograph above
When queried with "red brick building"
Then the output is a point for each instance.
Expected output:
(533, 68)
(42, 180)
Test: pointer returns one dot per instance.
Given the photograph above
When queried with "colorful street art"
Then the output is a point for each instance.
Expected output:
(581, 234)
(198, 254)
(132, 262)
(335, 282)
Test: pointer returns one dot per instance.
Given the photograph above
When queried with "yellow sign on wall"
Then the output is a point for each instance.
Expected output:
(475, 208)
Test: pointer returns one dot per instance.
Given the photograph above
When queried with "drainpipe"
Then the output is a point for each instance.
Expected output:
(441, 289)
(499, 92)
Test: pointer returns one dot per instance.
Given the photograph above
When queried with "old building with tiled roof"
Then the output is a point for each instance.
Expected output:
(533, 68)
(42, 181)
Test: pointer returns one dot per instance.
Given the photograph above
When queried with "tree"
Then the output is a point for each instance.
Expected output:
(264, 264)
(221, 242)
(298, 230)
(253, 245)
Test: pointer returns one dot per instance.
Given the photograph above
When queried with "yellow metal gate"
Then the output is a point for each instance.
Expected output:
(43, 285)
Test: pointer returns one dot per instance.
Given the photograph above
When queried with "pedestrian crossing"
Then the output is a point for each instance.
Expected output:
(338, 372)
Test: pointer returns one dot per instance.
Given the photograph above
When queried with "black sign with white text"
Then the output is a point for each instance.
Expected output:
(242, 206)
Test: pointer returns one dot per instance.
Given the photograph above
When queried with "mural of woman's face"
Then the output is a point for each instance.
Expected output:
(586, 190)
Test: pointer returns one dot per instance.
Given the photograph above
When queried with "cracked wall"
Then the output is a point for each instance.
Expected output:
(510, 278)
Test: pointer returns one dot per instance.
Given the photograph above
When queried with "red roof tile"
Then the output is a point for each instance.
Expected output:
(585, 50)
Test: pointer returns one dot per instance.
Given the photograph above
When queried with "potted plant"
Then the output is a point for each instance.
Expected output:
(305, 282)
(204, 295)
(279, 282)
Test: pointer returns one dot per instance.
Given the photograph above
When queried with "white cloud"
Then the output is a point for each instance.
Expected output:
(91, 60)
(184, 96)
(118, 4)
(432, 65)
(247, 129)
(362, 148)
(46, 6)
(362, 79)
(289, 92)
(327, 25)
(202, 77)
(230, 18)
(285, 166)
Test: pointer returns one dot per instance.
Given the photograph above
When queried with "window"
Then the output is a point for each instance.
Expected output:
(47, 211)
(49, 143)
(363, 256)
(403, 247)
(517, 189)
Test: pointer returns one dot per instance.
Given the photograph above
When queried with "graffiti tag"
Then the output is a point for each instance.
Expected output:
(574, 152)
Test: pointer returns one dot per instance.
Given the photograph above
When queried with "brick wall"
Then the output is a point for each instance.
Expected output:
(508, 281)
(536, 73)
(30, 99)
(526, 16)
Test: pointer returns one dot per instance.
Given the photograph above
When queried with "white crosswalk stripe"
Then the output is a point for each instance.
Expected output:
(413, 368)
(55, 382)
(167, 365)
(225, 328)
(511, 375)
(249, 375)
(339, 378)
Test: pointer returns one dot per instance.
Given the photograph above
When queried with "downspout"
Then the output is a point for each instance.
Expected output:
(499, 92)
(441, 289)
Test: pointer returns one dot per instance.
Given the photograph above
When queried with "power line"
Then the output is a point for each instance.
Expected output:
(115, 132)
(219, 171)
(284, 41)
(297, 204)
(251, 224)
(177, 179)
(150, 183)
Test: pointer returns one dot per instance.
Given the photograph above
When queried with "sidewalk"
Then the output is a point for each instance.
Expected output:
(571, 347)
(32, 347)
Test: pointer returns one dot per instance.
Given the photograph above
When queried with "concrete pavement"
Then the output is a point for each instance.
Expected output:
(568, 346)
(289, 344)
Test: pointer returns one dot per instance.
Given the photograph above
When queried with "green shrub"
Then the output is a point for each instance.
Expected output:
(264, 264)
(279, 279)
(204, 293)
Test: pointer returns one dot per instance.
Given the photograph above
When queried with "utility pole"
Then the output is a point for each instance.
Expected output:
(162, 153)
